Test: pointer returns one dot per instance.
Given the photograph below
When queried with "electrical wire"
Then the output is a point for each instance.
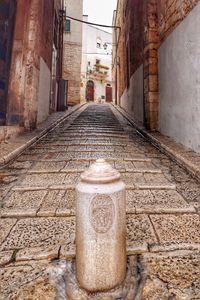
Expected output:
(89, 23)
(96, 53)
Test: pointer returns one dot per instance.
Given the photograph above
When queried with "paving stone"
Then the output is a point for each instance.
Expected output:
(177, 228)
(29, 157)
(22, 203)
(173, 275)
(190, 191)
(75, 155)
(156, 179)
(155, 201)
(133, 179)
(120, 165)
(38, 253)
(69, 250)
(101, 148)
(38, 232)
(129, 165)
(72, 178)
(5, 257)
(5, 227)
(78, 148)
(28, 280)
(139, 232)
(20, 165)
(138, 198)
(144, 165)
(5, 179)
(57, 202)
(3, 193)
(76, 165)
(47, 166)
(50, 156)
(67, 203)
(42, 180)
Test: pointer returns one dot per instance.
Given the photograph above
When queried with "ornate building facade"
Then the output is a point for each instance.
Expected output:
(96, 70)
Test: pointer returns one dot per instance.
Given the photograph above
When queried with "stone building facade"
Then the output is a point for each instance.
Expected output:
(31, 38)
(73, 50)
(156, 64)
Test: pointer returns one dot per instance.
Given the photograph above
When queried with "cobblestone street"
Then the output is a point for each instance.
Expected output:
(37, 225)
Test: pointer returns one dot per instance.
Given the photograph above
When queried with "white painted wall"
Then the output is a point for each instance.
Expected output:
(179, 82)
(74, 8)
(132, 98)
(44, 92)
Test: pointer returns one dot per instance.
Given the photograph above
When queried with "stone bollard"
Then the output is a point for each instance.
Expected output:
(100, 228)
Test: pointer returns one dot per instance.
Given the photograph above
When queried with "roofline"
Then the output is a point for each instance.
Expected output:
(100, 29)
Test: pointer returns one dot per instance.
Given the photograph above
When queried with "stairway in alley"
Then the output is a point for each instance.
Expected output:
(37, 223)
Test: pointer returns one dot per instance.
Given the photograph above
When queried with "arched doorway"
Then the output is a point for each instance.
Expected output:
(90, 91)
(108, 93)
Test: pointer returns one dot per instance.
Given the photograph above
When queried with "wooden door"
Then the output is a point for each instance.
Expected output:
(108, 93)
(7, 22)
(90, 91)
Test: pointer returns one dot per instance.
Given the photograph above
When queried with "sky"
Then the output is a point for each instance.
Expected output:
(99, 11)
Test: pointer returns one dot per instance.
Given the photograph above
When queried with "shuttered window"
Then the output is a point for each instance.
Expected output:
(68, 26)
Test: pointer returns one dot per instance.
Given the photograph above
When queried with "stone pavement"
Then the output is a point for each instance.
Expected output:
(185, 157)
(37, 221)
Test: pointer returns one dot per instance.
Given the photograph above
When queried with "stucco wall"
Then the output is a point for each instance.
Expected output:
(132, 99)
(179, 82)
(44, 92)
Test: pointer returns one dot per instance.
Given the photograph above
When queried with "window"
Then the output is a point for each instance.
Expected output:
(68, 25)
(98, 43)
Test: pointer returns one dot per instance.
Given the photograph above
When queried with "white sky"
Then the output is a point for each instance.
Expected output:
(99, 11)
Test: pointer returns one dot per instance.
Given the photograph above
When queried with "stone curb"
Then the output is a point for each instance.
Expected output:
(16, 152)
(178, 157)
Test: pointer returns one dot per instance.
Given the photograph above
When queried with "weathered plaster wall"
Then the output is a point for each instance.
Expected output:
(32, 40)
(44, 92)
(179, 82)
(132, 99)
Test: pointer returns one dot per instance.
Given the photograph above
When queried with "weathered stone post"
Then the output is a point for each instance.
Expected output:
(100, 228)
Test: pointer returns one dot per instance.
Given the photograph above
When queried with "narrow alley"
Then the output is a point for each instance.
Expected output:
(38, 214)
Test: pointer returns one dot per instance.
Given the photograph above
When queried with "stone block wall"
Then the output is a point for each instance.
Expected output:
(171, 13)
(72, 70)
